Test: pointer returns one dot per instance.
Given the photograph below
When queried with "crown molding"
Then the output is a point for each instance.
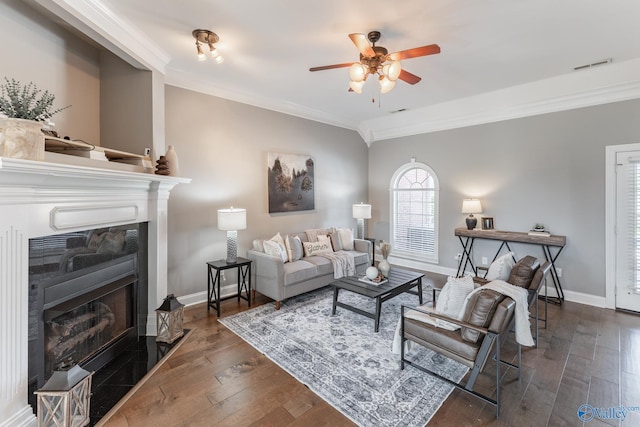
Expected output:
(98, 22)
(188, 81)
(613, 83)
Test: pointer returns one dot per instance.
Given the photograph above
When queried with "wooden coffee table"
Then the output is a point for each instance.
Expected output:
(399, 281)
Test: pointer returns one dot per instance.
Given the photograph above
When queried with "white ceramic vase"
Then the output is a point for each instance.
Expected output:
(172, 158)
(384, 267)
(21, 139)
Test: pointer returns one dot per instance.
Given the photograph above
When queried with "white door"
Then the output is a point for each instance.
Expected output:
(628, 230)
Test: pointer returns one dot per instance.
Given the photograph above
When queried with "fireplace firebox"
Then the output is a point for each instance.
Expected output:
(83, 299)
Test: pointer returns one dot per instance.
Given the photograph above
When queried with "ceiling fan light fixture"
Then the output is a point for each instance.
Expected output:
(357, 72)
(385, 84)
(391, 70)
(356, 86)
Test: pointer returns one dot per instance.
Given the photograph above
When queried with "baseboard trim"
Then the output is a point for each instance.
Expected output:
(200, 297)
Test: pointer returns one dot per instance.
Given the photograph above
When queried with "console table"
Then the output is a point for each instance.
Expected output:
(213, 281)
(467, 238)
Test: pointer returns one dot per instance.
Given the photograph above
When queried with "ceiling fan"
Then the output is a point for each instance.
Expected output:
(376, 60)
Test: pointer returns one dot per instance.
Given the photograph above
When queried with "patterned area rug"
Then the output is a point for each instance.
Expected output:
(347, 364)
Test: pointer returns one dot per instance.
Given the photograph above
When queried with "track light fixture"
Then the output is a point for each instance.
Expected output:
(209, 38)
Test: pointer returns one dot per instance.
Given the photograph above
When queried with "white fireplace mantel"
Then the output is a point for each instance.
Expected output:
(43, 198)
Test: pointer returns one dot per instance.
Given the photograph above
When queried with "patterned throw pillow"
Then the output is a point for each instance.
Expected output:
(314, 248)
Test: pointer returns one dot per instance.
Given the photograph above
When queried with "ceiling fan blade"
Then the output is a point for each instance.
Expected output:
(415, 52)
(409, 77)
(329, 67)
(361, 42)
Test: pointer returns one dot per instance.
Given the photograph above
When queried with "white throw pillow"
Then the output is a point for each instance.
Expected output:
(325, 239)
(272, 247)
(314, 248)
(346, 238)
(500, 269)
(454, 292)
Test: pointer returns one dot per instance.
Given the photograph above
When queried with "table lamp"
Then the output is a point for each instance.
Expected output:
(471, 206)
(231, 220)
(361, 212)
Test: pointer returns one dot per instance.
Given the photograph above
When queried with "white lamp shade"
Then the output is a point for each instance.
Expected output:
(356, 86)
(362, 211)
(471, 206)
(386, 85)
(232, 219)
(392, 70)
(357, 72)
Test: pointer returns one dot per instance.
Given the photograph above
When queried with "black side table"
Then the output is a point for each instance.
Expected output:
(213, 283)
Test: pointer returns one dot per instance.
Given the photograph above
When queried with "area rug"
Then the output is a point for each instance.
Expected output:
(344, 361)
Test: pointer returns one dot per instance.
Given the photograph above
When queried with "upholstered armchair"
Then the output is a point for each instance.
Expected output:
(487, 318)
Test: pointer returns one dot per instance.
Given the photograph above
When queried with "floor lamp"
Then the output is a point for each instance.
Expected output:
(361, 212)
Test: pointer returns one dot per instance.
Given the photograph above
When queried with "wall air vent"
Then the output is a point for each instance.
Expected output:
(594, 64)
(398, 111)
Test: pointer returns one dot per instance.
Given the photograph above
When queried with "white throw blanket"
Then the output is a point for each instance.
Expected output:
(344, 264)
(519, 295)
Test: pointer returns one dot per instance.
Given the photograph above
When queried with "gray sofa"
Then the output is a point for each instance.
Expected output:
(279, 280)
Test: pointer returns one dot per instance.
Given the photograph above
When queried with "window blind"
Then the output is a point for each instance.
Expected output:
(414, 214)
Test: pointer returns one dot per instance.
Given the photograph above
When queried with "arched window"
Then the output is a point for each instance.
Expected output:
(414, 212)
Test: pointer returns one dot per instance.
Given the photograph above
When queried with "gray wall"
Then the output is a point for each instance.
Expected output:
(546, 169)
(125, 105)
(222, 145)
(35, 50)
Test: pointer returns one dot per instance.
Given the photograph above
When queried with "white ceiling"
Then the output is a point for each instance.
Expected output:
(495, 53)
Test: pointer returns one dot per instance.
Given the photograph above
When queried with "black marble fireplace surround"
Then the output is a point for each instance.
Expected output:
(87, 306)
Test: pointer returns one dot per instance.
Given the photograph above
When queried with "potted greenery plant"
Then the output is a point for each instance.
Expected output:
(24, 110)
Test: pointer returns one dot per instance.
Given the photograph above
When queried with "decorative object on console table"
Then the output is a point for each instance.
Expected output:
(361, 212)
(24, 111)
(170, 317)
(162, 167)
(487, 223)
(172, 158)
(231, 220)
(539, 230)
(471, 206)
(64, 400)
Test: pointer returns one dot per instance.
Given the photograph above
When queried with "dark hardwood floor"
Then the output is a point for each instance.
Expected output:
(587, 355)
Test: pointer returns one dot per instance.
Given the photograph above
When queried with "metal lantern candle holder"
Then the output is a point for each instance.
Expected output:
(169, 320)
(64, 400)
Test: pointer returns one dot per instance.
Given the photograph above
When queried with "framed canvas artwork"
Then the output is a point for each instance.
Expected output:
(291, 182)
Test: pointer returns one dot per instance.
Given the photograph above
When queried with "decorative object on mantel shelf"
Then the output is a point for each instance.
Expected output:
(24, 111)
(162, 167)
(172, 158)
